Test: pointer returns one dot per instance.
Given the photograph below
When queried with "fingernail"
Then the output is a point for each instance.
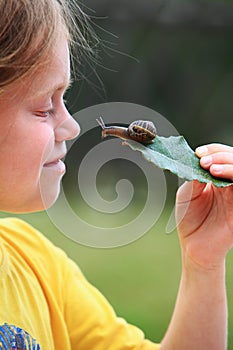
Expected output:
(206, 161)
(201, 150)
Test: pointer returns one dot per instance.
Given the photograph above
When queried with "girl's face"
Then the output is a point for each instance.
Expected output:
(34, 125)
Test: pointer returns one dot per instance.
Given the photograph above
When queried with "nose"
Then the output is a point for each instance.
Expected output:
(68, 129)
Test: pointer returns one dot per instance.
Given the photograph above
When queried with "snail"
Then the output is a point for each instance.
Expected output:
(140, 130)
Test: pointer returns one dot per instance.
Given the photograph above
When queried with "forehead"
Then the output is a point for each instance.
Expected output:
(54, 74)
(51, 74)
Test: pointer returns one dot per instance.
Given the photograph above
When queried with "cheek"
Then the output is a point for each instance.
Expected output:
(45, 148)
(23, 152)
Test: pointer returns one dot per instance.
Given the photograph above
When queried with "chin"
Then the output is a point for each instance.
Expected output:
(49, 192)
(48, 199)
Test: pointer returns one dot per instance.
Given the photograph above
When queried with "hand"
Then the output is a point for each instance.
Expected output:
(205, 213)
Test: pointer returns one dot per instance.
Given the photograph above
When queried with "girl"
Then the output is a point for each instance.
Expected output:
(46, 303)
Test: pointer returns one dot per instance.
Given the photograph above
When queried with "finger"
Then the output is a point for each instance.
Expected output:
(212, 148)
(217, 158)
(222, 170)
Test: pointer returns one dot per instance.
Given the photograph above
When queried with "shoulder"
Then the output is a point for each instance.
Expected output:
(22, 239)
(27, 245)
(17, 230)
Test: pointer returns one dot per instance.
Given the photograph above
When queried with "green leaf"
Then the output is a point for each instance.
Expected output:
(174, 154)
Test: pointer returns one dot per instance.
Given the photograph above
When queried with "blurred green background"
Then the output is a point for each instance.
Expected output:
(175, 57)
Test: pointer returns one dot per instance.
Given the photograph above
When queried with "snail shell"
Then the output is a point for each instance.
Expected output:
(140, 130)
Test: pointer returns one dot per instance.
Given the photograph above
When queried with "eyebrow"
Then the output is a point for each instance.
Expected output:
(65, 85)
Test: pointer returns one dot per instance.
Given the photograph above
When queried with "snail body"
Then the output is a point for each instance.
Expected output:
(140, 130)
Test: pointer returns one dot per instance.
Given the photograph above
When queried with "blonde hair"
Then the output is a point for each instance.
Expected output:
(29, 29)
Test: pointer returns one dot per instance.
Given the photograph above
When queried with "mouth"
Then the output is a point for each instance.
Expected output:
(56, 164)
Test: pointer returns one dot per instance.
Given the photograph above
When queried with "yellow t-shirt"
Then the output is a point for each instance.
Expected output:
(43, 293)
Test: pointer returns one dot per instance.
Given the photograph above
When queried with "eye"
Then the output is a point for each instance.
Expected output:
(44, 114)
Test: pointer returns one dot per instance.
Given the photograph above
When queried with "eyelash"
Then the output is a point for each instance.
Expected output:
(45, 114)
(48, 113)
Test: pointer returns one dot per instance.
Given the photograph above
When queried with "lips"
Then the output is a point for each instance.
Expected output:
(54, 160)
(56, 164)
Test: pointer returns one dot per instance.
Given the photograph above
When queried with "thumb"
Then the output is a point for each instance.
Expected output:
(189, 191)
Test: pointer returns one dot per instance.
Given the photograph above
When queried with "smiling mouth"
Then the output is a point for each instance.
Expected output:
(57, 165)
(54, 162)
